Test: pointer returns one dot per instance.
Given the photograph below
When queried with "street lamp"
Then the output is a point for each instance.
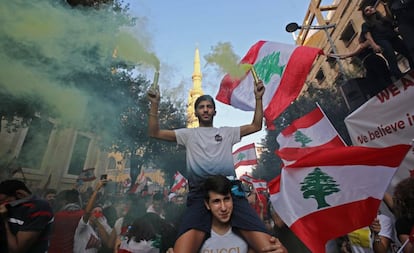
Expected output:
(292, 27)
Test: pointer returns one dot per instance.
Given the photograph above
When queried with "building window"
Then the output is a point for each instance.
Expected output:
(331, 61)
(35, 143)
(79, 153)
(112, 163)
(348, 34)
(320, 76)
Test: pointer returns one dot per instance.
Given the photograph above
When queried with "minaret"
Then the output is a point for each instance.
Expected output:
(195, 92)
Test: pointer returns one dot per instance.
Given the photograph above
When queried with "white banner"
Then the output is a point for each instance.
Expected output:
(387, 119)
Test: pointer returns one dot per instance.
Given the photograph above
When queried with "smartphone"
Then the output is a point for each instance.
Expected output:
(104, 177)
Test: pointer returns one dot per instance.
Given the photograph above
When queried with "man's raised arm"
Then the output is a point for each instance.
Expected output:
(153, 124)
(257, 122)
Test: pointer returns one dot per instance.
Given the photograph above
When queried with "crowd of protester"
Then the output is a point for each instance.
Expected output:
(71, 221)
(60, 222)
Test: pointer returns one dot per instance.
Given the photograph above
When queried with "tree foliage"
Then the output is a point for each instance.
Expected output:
(112, 89)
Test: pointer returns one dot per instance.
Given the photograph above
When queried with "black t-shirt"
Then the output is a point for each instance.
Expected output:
(3, 238)
(32, 214)
(382, 29)
(398, 5)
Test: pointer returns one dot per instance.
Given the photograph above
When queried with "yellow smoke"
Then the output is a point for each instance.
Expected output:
(59, 40)
(223, 56)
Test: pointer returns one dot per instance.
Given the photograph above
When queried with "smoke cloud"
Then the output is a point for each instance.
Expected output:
(43, 41)
(223, 56)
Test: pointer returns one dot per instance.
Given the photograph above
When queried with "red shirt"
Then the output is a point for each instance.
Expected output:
(64, 228)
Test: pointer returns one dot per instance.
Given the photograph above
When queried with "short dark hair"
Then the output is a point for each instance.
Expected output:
(158, 196)
(69, 196)
(10, 186)
(204, 98)
(217, 183)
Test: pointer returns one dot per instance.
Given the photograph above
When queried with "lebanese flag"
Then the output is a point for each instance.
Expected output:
(179, 182)
(259, 185)
(274, 187)
(283, 68)
(307, 134)
(245, 155)
(332, 192)
(140, 183)
(87, 175)
(247, 179)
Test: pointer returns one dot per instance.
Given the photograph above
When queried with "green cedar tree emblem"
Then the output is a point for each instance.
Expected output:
(302, 138)
(269, 66)
(318, 185)
(241, 156)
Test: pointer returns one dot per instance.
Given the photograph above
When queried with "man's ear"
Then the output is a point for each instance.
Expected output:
(206, 204)
(214, 114)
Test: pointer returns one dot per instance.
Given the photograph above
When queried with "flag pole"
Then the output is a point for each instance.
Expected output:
(403, 246)
(260, 201)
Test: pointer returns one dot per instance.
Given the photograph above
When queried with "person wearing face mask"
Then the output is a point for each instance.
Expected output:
(92, 229)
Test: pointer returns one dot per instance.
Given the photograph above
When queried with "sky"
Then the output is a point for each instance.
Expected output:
(177, 28)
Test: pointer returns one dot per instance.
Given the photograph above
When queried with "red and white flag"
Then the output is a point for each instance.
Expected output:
(307, 134)
(179, 182)
(245, 155)
(87, 175)
(140, 183)
(283, 68)
(274, 187)
(259, 185)
(319, 194)
(247, 179)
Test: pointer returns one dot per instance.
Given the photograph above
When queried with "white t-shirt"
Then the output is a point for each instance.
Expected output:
(361, 240)
(226, 243)
(151, 209)
(138, 247)
(209, 151)
(86, 239)
(118, 225)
